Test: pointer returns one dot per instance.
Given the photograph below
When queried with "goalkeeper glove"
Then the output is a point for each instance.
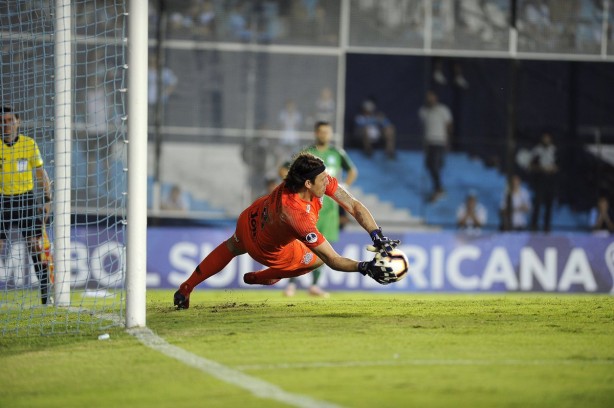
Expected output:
(377, 270)
(382, 244)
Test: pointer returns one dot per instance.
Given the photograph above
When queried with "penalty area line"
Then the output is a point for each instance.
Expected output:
(254, 385)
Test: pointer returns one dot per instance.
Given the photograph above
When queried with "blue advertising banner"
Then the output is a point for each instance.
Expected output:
(439, 262)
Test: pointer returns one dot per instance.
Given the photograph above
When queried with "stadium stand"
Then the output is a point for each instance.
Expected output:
(397, 202)
(409, 187)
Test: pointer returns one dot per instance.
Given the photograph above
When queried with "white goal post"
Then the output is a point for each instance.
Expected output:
(137, 164)
(63, 136)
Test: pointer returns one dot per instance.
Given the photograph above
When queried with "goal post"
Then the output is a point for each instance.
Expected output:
(137, 164)
(63, 136)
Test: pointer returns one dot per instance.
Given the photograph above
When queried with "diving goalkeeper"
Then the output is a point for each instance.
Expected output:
(279, 230)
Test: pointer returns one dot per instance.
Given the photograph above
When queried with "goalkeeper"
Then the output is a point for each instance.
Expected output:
(279, 231)
(337, 163)
(20, 163)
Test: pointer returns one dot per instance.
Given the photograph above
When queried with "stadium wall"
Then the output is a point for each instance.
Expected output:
(441, 262)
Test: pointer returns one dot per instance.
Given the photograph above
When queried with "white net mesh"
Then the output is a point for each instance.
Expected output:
(98, 175)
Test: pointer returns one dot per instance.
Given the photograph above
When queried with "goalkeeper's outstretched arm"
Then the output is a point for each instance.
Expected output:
(355, 208)
(363, 216)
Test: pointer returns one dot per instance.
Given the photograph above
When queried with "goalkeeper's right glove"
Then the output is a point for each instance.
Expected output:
(377, 270)
(382, 244)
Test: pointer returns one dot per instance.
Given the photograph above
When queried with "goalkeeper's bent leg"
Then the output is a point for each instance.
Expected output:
(271, 276)
(212, 264)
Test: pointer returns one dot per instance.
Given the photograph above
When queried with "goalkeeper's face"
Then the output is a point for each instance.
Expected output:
(318, 187)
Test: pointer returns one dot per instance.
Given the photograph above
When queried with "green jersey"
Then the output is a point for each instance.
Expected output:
(336, 161)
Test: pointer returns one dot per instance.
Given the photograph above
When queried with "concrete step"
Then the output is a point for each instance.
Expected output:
(387, 215)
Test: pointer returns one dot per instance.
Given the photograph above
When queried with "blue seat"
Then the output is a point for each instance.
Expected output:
(405, 183)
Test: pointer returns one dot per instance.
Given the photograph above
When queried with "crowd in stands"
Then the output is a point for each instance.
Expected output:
(545, 25)
(269, 21)
(557, 25)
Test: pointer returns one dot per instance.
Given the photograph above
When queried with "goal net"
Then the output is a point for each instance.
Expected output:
(95, 189)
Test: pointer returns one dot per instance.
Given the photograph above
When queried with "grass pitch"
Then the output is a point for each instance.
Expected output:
(352, 350)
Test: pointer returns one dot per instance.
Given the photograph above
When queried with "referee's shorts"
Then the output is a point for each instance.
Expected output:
(21, 213)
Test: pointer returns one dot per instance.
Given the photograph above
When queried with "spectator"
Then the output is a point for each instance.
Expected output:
(258, 155)
(437, 125)
(175, 201)
(373, 127)
(203, 15)
(536, 23)
(483, 19)
(543, 171)
(168, 83)
(325, 106)
(238, 23)
(180, 25)
(471, 215)
(282, 172)
(517, 198)
(100, 125)
(600, 217)
(290, 121)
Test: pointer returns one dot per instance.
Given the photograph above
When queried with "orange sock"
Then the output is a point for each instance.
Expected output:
(212, 264)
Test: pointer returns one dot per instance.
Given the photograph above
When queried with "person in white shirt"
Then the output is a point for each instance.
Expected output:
(437, 123)
(520, 204)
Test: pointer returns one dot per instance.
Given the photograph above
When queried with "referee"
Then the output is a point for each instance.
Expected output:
(20, 164)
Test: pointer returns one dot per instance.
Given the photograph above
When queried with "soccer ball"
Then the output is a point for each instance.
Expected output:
(397, 260)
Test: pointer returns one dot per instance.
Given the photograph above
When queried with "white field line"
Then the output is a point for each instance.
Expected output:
(425, 362)
(254, 385)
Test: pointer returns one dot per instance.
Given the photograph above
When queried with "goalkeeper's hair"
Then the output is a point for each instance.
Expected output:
(303, 164)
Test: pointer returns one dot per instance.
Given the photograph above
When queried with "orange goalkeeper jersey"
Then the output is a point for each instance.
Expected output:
(277, 219)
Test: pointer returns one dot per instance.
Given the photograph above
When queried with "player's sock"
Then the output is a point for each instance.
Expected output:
(212, 264)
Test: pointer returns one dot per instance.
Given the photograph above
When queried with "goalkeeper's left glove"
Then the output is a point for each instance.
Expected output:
(382, 244)
(377, 270)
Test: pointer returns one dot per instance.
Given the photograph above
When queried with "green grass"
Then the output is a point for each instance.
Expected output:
(354, 350)
(21, 314)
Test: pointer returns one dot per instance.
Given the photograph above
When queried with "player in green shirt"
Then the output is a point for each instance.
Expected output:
(337, 162)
